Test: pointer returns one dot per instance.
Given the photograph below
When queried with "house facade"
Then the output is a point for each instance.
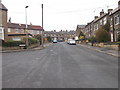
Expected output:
(115, 23)
(3, 22)
(112, 16)
(61, 35)
(17, 31)
(79, 29)
(100, 21)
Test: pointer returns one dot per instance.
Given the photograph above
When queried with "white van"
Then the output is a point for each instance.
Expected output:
(72, 42)
(68, 41)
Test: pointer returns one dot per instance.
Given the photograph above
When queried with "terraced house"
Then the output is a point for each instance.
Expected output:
(115, 23)
(61, 35)
(79, 29)
(3, 22)
(88, 30)
(17, 32)
(112, 16)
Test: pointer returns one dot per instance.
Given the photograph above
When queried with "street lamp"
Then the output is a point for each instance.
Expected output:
(26, 26)
(42, 36)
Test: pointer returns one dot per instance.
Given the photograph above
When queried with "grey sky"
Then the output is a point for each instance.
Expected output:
(58, 14)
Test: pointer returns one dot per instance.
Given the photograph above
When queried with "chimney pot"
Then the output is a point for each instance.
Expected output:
(102, 12)
(96, 17)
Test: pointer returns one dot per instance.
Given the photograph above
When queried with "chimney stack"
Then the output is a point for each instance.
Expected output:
(102, 12)
(96, 17)
(119, 4)
(109, 10)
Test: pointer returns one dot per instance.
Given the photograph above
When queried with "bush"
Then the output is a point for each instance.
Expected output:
(12, 43)
(49, 39)
(92, 39)
(32, 41)
(1, 42)
(37, 37)
(102, 35)
(107, 26)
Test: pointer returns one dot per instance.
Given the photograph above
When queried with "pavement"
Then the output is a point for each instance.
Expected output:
(59, 66)
(20, 50)
(103, 50)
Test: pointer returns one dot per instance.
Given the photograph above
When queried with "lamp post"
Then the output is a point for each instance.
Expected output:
(42, 36)
(26, 26)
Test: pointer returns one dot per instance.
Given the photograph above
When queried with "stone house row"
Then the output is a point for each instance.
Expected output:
(112, 16)
(61, 35)
(15, 31)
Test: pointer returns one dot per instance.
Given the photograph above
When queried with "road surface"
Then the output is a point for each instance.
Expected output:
(59, 66)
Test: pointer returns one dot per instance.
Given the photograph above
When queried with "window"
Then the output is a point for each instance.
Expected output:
(22, 31)
(105, 20)
(31, 32)
(37, 32)
(97, 27)
(117, 19)
(1, 33)
(100, 22)
(112, 37)
(16, 30)
(9, 29)
(111, 22)
(45, 35)
(16, 38)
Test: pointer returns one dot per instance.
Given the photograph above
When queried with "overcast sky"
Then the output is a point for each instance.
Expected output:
(58, 14)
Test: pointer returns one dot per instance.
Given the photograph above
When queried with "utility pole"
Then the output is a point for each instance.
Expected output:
(42, 36)
(26, 26)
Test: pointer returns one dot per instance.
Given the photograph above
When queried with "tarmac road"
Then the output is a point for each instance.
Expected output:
(59, 66)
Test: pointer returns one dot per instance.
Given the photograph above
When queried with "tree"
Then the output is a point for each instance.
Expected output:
(81, 34)
(92, 39)
(107, 26)
(102, 35)
(49, 39)
(38, 37)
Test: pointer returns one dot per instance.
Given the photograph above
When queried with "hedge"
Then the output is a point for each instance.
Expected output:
(32, 41)
(12, 43)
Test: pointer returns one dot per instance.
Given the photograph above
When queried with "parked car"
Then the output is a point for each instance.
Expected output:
(72, 42)
(54, 41)
(68, 41)
(60, 40)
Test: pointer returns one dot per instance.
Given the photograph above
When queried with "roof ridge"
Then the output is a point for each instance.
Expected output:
(2, 7)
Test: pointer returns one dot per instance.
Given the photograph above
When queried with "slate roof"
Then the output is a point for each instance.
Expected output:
(115, 10)
(81, 26)
(23, 26)
(2, 7)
